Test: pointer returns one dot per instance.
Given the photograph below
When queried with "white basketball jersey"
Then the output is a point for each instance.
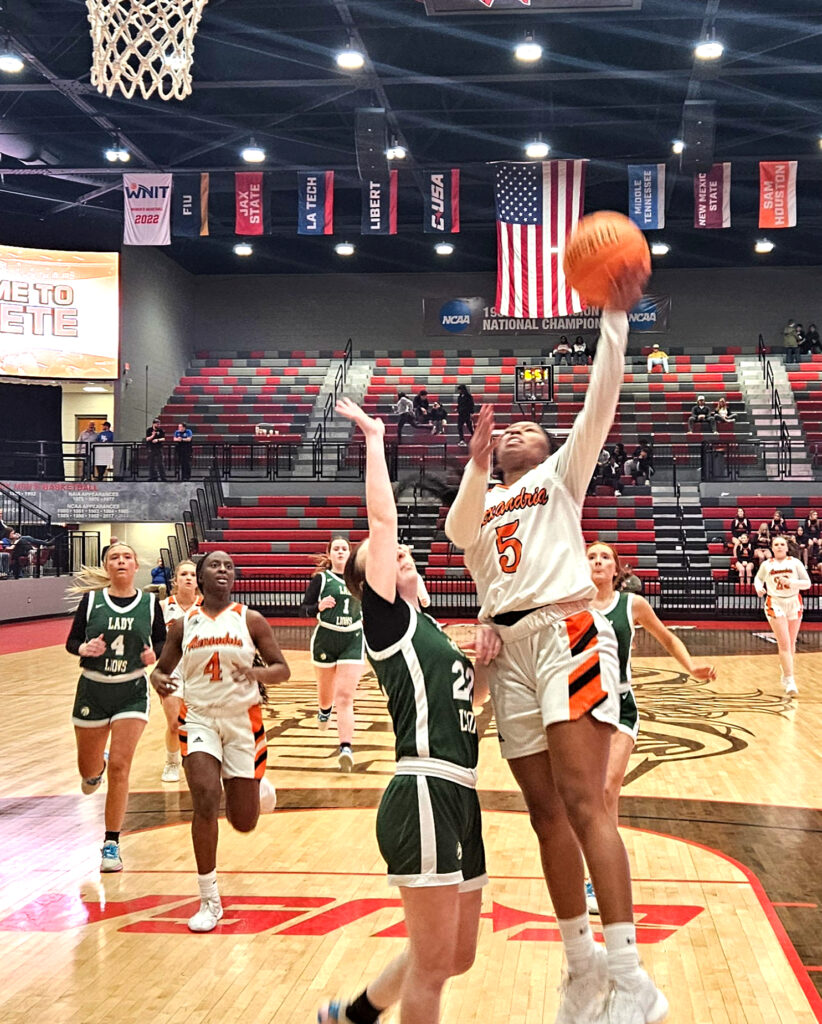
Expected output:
(172, 610)
(782, 579)
(212, 649)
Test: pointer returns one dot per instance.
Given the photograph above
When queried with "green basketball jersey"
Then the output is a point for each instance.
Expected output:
(346, 613)
(430, 685)
(620, 614)
(126, 631)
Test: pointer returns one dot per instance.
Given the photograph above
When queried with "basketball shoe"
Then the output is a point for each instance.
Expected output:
(323, 718)
(268, 796)
(791, 688)
(171, 772)
(93, 784)
(591, 898)
(346, 757)
(112, 861)
(333, 1012)
(641, 1004)
(207, 917)
(582, 994)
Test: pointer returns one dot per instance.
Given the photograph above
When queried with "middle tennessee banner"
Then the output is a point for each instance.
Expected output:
(248, 195)
(189, 205)
(315, 201)
(147, 209)
(712, 197)
(646, 195)
(379, 206)
(777, 194)
(442, 202)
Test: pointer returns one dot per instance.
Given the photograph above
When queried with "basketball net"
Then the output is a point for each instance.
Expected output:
(145, 44)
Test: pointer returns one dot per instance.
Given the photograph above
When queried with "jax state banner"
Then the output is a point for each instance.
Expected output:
(712, 197)
(777, 194)
(315, 202)
(646, 195)
(189, 205)
(248, 199)
(476, 315)
(379, 205)
(442, 202)
(147, 209)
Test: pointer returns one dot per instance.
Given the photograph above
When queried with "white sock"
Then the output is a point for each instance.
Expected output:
(172, 757)
(623, 956)
(578, 942)
(268, 796)
(208, 886)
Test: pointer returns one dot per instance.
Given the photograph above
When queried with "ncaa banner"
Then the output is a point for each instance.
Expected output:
(442, 202)
(777, 194)
(315, 202)
(712, 197)
(189, 206)
(248, 199)
(646, 195)
(147, 209)
(379, 206)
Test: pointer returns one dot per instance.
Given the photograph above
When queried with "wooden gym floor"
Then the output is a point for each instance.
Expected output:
(722, 816)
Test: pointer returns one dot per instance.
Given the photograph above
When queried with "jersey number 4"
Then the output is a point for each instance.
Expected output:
(213, 669)
(509, 547)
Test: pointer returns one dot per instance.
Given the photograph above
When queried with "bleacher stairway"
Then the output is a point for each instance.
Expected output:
(764, 424)
(670, 552)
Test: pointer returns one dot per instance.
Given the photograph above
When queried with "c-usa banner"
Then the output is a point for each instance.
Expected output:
(315, 197)
(442, 202)
(646, 195)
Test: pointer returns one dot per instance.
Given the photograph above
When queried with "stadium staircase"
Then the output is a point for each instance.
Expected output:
(806, 388)
(765, 425)
(679, 530)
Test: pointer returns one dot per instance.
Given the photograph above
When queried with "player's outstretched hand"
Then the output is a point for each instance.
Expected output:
(704, 673)
(482, 440)
(627, 291)
(163, 683)
(367, 424)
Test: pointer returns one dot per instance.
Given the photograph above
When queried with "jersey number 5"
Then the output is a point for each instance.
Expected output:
(213, 669)
(510, 549)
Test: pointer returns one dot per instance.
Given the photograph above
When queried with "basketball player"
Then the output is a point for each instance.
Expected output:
(118, 630)
(625, 611)
(221, 725)
(337, 652)
(184, 595)
(428, 823)
(555, 683)
(780, 580)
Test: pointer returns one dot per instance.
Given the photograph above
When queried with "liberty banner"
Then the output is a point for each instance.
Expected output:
(777, 194)
(712, 197)
(248, 197)
(442, 202)
(315, 202)
(147, 209)
(189, 205)
(646, 195)
(379, 206)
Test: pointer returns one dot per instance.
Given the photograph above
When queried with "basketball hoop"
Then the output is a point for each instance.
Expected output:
(143, 43)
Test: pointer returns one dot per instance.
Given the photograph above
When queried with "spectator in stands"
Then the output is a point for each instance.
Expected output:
(610, 471)
(762, 544)
(20, 548)
(405, 411)
(642, 466)
(439, 416)
(741, 524)
(619, 455)
(466, 407)
(778, 527)
(562, 350)
(155, 436)
(722, 413)
(789, 341)
(656, 357)
(159, 574)
(800, 341)
(5, 557)
(743, 558)
(103, 452)
(182, 443)
(800, 538)
(813, 532)
(580, 351)
(812, 340)
(422, 411)
(84, 439)
(700, 413)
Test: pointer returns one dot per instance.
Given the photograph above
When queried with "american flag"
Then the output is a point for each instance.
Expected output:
(538, 205)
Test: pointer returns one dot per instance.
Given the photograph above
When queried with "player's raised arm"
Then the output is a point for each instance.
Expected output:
(462, 525)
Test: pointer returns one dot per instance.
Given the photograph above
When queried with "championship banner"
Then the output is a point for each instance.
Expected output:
(646, 195)
(248, 198)
(379, 206)
(147, 209)
(777, 194)
(712, 197)
(189, 206)
(442, 202)
(315, 202)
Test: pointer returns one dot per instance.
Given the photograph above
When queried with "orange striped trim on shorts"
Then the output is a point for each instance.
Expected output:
(585, 681)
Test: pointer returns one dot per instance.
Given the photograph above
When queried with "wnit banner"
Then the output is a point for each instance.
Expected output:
(442, 202)
(646, 195)
(248, 195)
(777, 194)
(147, 209)
(712, 197)
(315, 200)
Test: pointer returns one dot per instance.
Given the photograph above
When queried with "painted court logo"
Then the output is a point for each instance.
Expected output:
(455, 316)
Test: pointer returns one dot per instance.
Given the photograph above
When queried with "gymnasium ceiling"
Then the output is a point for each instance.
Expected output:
(610, 87)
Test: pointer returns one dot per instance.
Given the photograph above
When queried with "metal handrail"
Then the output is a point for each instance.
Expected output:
(10, 499)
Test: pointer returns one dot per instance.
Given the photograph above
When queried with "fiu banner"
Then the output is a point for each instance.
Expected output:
(442, 202)
(777, 194)
(315, 198)
(147, 209)
(712, 197)
(379, 206)
(646, 195)
(475, 315)
(248, 198)
(189, 206)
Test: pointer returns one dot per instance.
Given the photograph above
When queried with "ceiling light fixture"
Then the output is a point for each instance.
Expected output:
(537, 149)
(678, 146)
(443, 248)
(660, 248)
(11, 63)
(529, 50)
(350, 59)
(116, 151)
(252, 153)
(709, 48)
(396, 151)
(344, 249)
(94, 389)
(763, 246)
(243, 249)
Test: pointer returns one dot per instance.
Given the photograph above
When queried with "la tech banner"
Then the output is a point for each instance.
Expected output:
(476, 316)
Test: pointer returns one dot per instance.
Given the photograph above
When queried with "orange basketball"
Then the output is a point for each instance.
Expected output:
(602, 247)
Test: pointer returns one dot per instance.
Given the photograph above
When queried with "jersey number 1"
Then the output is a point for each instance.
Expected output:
(509, 547)
(213, 668)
